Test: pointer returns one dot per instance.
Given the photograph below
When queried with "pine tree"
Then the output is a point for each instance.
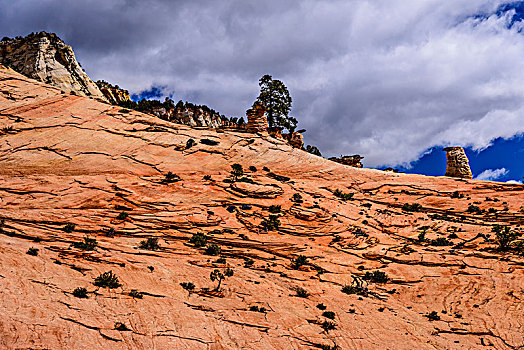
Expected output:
(274, 95)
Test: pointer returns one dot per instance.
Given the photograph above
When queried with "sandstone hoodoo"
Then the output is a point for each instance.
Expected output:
(45, 57)
(457, 163)
(256, 119)
(354, 160)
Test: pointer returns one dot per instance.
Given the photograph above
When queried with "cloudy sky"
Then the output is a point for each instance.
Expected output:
(392, 80)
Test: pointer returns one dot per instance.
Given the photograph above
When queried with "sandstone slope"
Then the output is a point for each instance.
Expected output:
(67, 159)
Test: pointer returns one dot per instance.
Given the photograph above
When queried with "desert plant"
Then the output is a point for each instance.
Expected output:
(411, 207)
(80, 292)
(271, 223)
(329, 314)
(344, 196)
(150, 244)
(257, 308)
(328, 325)
(236, 171)
(299, 261)
(122, 215)
(87, 244)
(356, 287)
(207, 177)
(220, 261)
(432, 316)
(301, 292)
(505, 237)
(440, 242)
(213, 249)
(376, 277)
(321, 306)
(187, 286)
(252, 168)
(32, 251)
(198, 239)
(217, 275)
(136, 294)
(474, 209)
(69, 227)
(297, 198)
(107, 280)
(275, 209)
(457, 194)
(170, 178)
(119, 326)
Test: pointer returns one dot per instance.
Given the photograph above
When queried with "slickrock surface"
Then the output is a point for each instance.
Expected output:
(457, 163)
(45, 57)
(70, 159)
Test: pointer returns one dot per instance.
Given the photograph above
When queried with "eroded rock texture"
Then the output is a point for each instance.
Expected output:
(354, 160)
(45, 57)
(256, 119)
(71, 167)
(457, 163)
(113, 93)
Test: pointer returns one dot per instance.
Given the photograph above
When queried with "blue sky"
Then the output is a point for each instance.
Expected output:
(505, 159)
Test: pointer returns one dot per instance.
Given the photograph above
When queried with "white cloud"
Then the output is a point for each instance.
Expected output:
(514, 182)
(387, 79)
(491, 174)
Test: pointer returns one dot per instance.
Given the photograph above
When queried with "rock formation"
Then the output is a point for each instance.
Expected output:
(348, 266)
(45, 57)
(113, 93)
(295, 139)
(256, 119)
(354, 160)
(457, 163)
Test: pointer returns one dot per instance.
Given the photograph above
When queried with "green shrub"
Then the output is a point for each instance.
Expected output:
(321, 306)
(253, 168)
(198, 240)
(107, 280)
(299, 261)
(217, 275)
(297, 198)
(207, 177)
(236, 171)
(301, 292)
(213, 249)
(187, 286)
(122, 216)
(506, 238)
(328, 325)
(80, 292)
(432, 316)
(344, 196)
(32, 251)
(329, 314)
(87, 244)
(136, 294)
(440, 242)
(150, 244)
(275, 209)
(411, 207)
(376, 277)
(170, 178)
(271, 223)
(474, 209)
(256, 308)
(69, 227)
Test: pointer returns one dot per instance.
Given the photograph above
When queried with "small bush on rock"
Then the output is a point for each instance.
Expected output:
(107, 280)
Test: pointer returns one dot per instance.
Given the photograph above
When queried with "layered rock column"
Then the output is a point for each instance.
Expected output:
(457, 163)
(256, 119)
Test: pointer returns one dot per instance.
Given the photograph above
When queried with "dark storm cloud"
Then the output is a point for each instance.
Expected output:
(387, 78)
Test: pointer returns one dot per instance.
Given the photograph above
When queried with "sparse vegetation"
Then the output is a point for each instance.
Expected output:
(411, 207)
(188, 286)
(122, 215)
(297, 198)
(119, 326)
(432, 316)
(474, 209)
(321, 306)
(80, 292)
(440, 242)
(32, 251)
(356, 287)
(299, 261)
(150, 244)
(457, 194)
(376, 277)
(213, 249)
(329, 314)
(170, 178)
(217, 275)
(69, 227)
(252, 168)
(236, 171)
(107, 280)
(135, 294)
(301, 292)
(198, 239)
(86, 244)
(328, 325)
(275, 209)
(256, 308)
(207, 177)
(507, 239)
(271, 223)
(343, 196)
